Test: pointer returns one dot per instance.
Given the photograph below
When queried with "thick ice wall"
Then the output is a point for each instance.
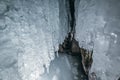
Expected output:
(98, 27)
(30, 31)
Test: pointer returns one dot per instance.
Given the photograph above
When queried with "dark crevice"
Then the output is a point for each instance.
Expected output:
(70, 46)
(72, 15)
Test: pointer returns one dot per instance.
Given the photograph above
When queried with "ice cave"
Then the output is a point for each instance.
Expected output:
(32, 30)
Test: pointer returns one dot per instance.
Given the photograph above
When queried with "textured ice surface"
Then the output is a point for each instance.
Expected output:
(60, 68)
(98, 23)
(30, 31)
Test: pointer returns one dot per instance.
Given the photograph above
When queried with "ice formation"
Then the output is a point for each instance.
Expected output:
(98, 27)
(29, 34)
(31, 30)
